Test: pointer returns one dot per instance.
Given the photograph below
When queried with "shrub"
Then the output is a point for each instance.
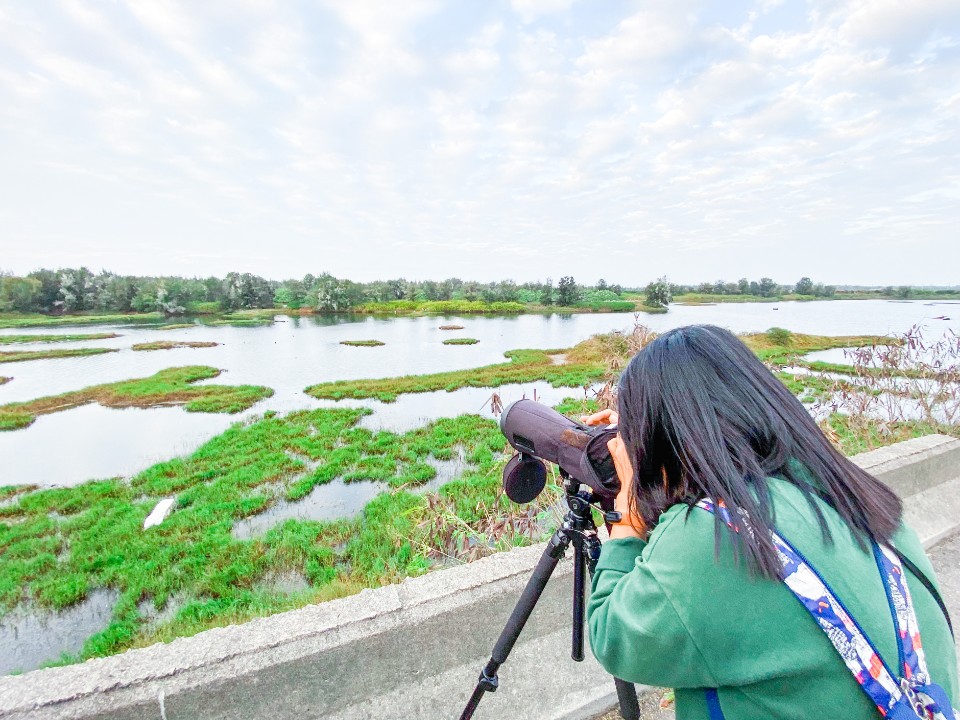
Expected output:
(779, 335)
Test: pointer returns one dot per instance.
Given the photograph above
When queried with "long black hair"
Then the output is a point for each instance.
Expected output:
(701, 416)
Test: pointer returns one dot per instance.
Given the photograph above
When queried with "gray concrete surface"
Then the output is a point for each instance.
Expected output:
(413, 649)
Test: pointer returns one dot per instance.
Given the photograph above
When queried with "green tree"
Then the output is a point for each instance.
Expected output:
(49, 289)
(743, 286)
(77, 290)
(804, 286)
(657, 293)
(904, 291)
(547, 292)
(568, 293)
(768, 288)
(19, 294)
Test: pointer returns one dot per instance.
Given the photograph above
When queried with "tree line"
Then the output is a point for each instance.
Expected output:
(77, 290)
(764, 287)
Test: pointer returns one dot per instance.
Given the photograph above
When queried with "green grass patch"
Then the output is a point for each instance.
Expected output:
(583, 367)
(460, 341)
(58, 545)
(4, 380)
(857, 434)
(608, 306)
(362, 343)
(24, 355)
(440, 307)
(23, 320)
(782, 347)
(172, 386)
(175, 326)
(11, 339)
(173, 344)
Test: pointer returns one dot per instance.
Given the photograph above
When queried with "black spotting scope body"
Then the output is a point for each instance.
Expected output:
(539, 433)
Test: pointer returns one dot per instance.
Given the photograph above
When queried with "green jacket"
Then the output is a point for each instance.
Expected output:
(670, 613)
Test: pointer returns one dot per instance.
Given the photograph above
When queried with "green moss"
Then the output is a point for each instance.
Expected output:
(460, 341)
(10, 339)
(24, 355)
(167, 387)
(362, 343)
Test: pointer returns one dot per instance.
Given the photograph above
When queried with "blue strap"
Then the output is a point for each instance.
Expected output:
(713, 704)
(898, 696)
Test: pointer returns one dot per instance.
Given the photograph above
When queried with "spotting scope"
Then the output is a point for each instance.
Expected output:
(539, 433)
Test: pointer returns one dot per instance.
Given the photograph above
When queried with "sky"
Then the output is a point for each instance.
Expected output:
(484, 139)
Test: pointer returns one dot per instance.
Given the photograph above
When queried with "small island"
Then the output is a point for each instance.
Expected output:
(461, 341)
(362, 343)
(451, 327)
(174, 344)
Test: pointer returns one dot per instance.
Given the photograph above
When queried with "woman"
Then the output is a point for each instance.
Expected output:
(691, 597)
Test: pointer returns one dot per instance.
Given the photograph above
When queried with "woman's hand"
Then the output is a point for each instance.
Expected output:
(630, 525)
(604, 417)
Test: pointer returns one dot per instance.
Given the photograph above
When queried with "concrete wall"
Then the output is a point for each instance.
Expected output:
(411, 650)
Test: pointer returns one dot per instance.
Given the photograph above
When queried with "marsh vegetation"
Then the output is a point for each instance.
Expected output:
(363, 343)
(173, 386)
(173, 345)
(11, 339)
(24, 355)
(460, 341)
(217, 559)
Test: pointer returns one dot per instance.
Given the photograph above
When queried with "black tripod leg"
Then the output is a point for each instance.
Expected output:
(587, 557)
(579, 600)
(518, 618)
(627, 696)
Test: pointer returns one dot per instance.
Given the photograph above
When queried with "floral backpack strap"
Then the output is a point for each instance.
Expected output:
(898, 697)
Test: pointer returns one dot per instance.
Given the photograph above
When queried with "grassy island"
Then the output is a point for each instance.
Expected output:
(173, 345)
(461, 341)
(174, 326)
(24, 355)
(168, 387)
(362, 343)
(4, 380)
(11, 339)
(583, 367)
(25, 320)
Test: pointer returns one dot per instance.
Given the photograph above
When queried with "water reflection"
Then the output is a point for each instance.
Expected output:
(338, 500)
(29, 637)
(331, 501)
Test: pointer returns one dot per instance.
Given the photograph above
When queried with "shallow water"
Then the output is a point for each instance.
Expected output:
(338, 500)
(294, 353)
(30, 637)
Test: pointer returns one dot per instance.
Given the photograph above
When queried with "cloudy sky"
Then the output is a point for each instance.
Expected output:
(484, 139)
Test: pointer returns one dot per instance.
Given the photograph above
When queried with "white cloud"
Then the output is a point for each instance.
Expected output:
(436, 139)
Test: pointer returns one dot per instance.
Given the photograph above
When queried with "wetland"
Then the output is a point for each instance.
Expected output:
(302, 469)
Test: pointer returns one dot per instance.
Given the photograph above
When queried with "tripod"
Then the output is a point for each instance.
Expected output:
(579, 530)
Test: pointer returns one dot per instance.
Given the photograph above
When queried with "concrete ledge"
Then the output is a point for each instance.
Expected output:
(409, 650)
(914, 465)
